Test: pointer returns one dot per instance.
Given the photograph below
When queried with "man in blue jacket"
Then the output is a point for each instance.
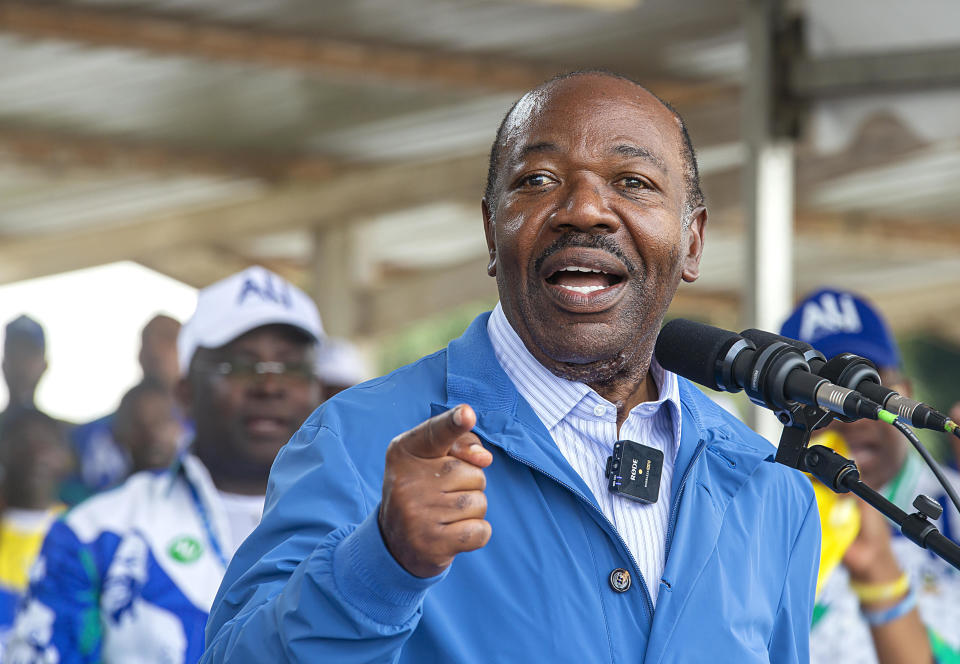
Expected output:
(457, 509)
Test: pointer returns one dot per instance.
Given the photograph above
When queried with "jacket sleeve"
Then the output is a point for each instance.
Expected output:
(59, 619)
(790, 640)
(315, 582)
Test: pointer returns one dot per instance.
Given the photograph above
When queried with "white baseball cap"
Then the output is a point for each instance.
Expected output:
(242, 302)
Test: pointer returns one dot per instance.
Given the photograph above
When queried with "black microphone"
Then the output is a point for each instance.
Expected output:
(860, 374)
(814, 358)
(775, 376)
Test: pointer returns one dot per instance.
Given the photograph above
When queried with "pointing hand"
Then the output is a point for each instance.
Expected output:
(433, 505)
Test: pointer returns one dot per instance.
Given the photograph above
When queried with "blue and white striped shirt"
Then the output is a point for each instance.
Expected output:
(584, 426)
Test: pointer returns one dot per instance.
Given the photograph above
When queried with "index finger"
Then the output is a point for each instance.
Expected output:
(434, 437)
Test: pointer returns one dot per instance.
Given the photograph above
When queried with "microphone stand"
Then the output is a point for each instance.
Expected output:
(841, 475)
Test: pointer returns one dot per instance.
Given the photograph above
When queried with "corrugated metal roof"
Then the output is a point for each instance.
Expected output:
(82, 97)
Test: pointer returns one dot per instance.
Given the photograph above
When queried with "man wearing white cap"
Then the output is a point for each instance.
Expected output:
(130, 575)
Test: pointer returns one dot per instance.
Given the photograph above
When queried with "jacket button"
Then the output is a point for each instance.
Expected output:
(620, 580)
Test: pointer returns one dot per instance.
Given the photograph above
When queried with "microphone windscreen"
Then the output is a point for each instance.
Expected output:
(763, 338)
(691, 350)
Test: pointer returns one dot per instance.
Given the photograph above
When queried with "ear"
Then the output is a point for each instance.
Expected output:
(490, 234)
(694, 244)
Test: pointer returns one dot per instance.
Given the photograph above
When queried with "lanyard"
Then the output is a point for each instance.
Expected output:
(207, 524)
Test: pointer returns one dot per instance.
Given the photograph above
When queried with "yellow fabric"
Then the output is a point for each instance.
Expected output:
(19, 548)
(839, 516)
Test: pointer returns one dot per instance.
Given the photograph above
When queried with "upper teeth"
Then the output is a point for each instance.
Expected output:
(580, 268)
(584, 289)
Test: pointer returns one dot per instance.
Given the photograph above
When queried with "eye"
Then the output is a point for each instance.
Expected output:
(534, 180)
(632, 182)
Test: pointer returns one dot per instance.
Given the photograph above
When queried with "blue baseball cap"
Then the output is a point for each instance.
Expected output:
(24, 327)
(837, 321)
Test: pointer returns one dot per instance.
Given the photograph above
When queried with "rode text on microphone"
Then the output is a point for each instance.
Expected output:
(634, 471)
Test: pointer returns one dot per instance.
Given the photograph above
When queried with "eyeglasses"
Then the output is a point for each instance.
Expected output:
(247, 371)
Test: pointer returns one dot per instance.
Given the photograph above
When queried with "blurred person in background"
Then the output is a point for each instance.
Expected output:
(890, 601)
(36, 457)
(339, 366)
(130, 575)
(103, 462)
(147, 427)
(24, 363)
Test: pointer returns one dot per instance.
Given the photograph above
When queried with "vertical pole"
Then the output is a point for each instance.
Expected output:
(334, 286)
(768, 191)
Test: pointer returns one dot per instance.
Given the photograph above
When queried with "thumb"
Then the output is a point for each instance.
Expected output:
(436, 436)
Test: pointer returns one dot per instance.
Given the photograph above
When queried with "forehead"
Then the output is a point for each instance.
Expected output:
(593, 113)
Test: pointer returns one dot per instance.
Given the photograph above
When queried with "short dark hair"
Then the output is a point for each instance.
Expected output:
(691, 173)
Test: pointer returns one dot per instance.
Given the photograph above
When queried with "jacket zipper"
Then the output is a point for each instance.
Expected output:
(675, 509)
(578, 494)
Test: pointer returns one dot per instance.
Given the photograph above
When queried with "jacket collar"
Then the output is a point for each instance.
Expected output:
(504, 419)
(554, 399)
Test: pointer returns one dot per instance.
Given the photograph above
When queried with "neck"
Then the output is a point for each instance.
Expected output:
(239, 486)
(228, 477)
(20, 400)
(626, 394)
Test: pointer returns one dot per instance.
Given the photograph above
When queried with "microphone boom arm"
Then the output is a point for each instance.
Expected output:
(840, 474)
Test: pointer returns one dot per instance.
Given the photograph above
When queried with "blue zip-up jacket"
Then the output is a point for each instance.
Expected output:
(315, 582)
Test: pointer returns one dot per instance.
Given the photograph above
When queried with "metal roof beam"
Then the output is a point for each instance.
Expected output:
(342, 199)
(60, 149)
(201, 265)
(178, 35)
(881, 72)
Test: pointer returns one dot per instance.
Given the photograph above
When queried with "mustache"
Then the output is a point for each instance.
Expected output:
(586, 240)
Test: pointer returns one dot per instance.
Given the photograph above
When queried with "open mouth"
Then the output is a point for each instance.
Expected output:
(583, 279)
(265, 426)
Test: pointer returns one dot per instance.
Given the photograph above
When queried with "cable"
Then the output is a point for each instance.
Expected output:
(912, 437)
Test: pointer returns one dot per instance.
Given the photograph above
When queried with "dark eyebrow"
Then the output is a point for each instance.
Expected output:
(637, 152)
(543, 146)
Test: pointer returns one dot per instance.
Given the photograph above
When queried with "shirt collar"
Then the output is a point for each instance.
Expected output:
(553, 398)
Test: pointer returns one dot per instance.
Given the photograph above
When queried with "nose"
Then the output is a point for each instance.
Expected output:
(584, 207)
(268, 385)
